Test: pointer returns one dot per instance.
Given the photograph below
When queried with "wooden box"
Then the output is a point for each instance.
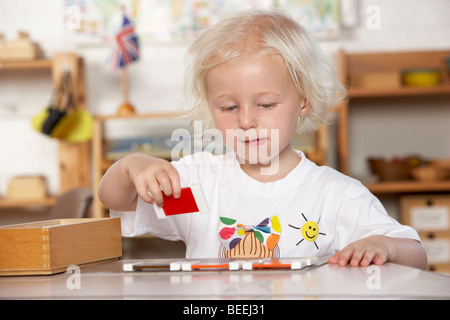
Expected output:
(49, 247)
(27, 188)
(377, 80)
(21, 49)
(443, 268)
(428, 213)
(437, 246)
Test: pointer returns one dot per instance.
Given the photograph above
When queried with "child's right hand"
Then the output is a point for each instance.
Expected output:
(154, 175)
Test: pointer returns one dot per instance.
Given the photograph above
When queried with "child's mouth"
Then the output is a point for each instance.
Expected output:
(255, 142)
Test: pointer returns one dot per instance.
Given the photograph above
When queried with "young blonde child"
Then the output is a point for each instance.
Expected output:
(259, 75)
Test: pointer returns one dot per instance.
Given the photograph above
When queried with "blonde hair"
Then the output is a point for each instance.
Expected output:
(258, 33)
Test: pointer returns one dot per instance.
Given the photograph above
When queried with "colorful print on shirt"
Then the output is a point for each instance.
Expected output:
(249, 241)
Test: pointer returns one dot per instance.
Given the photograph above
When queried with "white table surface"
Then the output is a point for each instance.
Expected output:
(109, 281)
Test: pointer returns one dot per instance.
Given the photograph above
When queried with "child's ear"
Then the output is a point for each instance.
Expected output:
(305, 107)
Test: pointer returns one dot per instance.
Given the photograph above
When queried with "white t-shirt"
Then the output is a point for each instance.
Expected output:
(308, 198)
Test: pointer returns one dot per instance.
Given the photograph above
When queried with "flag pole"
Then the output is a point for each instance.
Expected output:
(126, 108)
(125, 87)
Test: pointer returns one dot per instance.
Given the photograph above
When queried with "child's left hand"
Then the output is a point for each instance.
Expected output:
(363, 252)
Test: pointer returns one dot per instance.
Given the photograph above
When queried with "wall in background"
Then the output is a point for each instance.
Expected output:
(156, 84)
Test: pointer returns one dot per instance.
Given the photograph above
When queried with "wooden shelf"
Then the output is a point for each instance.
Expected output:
(399, 92)
(13, 203)
(358, 66)
(409, 186)
(26, 64)
(137, 116)
(114, 156)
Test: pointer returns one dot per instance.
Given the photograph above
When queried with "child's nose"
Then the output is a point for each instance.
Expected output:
(247, 118)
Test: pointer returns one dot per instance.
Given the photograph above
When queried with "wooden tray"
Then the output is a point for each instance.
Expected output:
(49, 247)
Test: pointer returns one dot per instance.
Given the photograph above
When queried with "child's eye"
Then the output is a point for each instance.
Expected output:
(266, 105)
(230, 108)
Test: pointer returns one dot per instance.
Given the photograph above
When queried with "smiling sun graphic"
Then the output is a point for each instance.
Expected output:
(309, 231)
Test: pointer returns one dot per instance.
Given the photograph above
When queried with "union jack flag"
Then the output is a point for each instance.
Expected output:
(126, 46)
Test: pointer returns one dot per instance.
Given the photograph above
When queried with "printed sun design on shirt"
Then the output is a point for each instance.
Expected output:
(309, 231)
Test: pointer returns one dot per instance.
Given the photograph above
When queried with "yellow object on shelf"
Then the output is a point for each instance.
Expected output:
(75, 127)
(422, 77)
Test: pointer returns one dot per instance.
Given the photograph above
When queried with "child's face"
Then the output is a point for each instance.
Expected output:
(257, 97)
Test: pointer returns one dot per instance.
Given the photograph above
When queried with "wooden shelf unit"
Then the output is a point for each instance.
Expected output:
(354, 65)
(409, 186)
(26, 64)
(73, 158)
(399, 92)
(13, 203)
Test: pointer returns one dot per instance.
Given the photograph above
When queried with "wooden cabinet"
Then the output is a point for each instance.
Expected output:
(73, 158)
(388, 67)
